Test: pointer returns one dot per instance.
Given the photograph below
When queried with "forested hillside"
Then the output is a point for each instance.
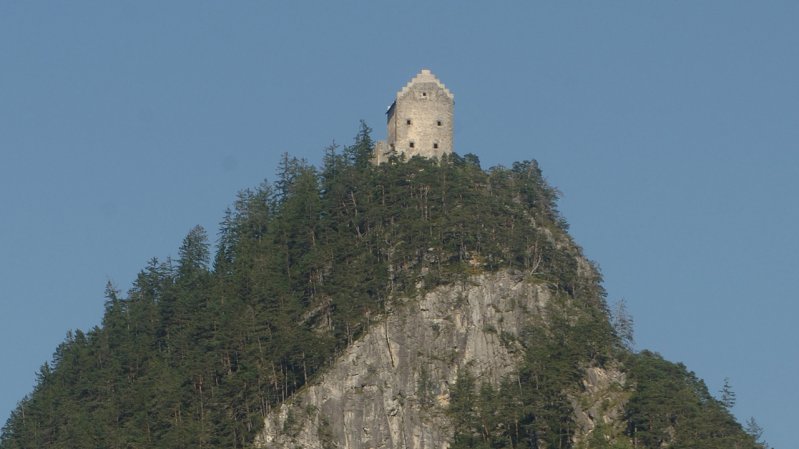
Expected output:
(203, 347)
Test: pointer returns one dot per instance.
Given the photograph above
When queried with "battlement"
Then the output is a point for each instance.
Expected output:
(419, 121)
(425, 76)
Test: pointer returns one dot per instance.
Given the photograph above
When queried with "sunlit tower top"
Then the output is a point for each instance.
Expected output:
(419, 120)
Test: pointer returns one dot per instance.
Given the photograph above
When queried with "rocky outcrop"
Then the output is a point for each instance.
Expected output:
(600, 403)
(390, 389)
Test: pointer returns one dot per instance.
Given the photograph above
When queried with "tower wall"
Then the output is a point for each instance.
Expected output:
(420, 122)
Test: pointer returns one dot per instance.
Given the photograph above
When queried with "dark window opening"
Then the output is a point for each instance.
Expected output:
(438, 123)
(411, 144)
(424, 94)
(408, 121)
(435, 145)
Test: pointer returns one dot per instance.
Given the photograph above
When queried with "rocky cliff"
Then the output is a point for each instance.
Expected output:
(391, 388)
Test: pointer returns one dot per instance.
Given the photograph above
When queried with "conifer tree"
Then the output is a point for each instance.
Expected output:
(623, 324)
(727, 394)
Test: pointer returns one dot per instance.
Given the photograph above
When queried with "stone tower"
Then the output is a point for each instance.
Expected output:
(419, 120)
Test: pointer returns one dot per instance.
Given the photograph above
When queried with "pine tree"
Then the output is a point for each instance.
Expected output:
(727, 394)
(623, 324)
(756, 432)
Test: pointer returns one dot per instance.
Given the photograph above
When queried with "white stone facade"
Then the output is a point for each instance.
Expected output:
(419, 120)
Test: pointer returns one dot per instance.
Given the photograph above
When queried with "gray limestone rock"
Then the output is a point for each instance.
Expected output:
(390, 388)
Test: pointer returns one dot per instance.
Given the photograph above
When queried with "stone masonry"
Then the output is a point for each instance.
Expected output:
(419, 120)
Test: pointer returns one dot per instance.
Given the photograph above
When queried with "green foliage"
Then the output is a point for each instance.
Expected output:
(754, 430)
(623, 325)
(671, 407)
(531, 408)
(197, 355)
(668, 406)
(727, 395)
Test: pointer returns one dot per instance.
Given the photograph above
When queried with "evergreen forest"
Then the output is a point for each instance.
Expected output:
(205, 345)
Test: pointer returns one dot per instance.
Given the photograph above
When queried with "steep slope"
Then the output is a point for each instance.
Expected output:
(392, 387)
(413, 304)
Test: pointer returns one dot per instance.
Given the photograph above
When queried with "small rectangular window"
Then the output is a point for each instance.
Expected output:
(408, 121)
(435, 145)
(411, 144)
(438, 123)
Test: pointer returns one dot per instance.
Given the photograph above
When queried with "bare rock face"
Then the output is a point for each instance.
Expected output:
(390, 388)
(600, 403)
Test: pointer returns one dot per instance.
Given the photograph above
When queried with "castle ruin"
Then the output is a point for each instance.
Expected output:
(419, 121)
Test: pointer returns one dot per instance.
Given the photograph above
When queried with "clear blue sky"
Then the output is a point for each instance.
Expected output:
(672, 129)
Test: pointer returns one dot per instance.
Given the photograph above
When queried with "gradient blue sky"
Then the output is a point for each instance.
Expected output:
(671, 128)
